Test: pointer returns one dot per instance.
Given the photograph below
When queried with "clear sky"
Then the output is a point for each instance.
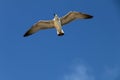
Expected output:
(89, 50)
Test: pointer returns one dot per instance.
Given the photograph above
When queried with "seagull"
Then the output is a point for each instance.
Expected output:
(57, 23)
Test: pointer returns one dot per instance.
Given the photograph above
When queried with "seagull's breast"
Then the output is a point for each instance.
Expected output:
(57, 23)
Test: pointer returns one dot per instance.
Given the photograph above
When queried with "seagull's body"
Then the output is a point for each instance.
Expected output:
(57, 23)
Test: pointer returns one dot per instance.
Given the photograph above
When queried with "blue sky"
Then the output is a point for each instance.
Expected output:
(89, 50)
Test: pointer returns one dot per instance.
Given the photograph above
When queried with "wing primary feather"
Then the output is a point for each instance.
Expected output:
(39, 26)
(72, 15)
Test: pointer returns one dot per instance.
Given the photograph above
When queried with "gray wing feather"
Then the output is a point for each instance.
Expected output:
(72, 16)
(41, 25)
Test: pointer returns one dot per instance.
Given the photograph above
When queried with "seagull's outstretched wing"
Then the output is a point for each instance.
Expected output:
(72, 16)
(39, 26)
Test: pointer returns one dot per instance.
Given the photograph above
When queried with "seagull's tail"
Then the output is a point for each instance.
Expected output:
(61, 33)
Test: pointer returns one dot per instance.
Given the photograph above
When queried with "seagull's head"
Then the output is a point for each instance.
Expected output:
(56, 17)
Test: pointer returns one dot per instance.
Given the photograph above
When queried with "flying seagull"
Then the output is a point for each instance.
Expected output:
(57, 23)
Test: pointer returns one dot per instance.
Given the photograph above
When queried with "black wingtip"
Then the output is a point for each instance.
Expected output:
(26, 35)
(89, 16)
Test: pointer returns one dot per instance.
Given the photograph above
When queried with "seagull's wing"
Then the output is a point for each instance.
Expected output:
(39, 26)
(72, 16)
